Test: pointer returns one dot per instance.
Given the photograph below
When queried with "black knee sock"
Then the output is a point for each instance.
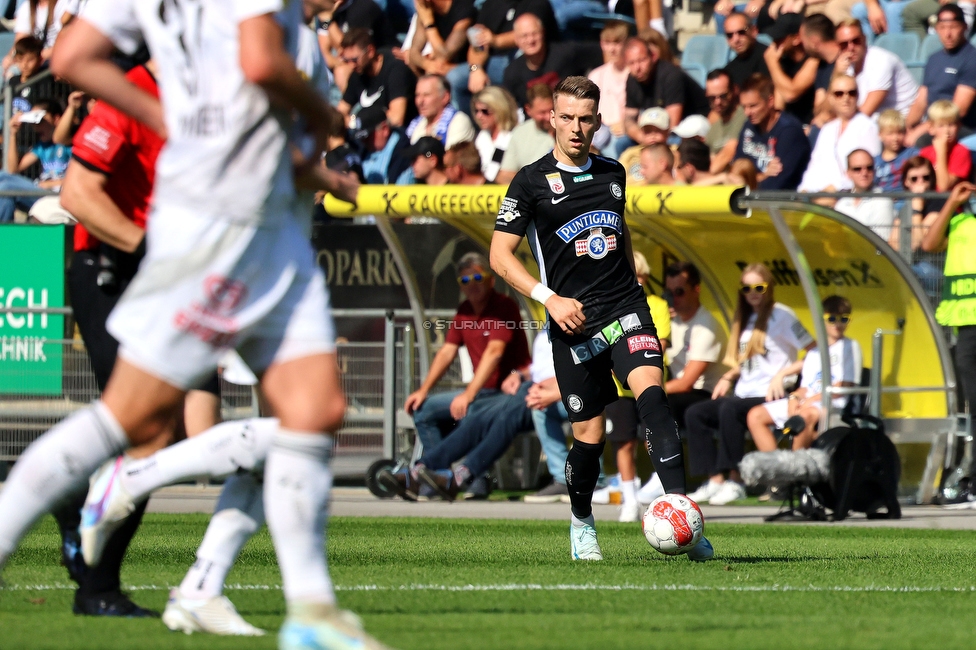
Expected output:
(68, 516)
(106, 576)
(582, 473)
(661, 438)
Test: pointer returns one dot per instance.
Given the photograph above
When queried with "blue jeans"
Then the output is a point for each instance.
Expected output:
(569, 12)
(483, 436)
(12, 183)
(892, 13)
(549, 429)
(435, 412)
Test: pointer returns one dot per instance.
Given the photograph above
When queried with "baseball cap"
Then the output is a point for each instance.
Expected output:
(366, 121)
(426, 146)
(785, 25)
(693, 126)
(655, 117)
(953, 9)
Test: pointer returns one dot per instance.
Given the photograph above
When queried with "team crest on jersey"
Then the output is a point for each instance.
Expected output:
(616, 190)
(596, 245)
(556, 183)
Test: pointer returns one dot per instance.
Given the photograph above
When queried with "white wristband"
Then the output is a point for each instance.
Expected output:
(541, 293)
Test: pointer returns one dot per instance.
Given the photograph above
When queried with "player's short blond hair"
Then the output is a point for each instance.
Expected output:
(891, 120)
(943, 110)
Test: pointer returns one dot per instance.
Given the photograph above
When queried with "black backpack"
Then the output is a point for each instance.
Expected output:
(864, 470)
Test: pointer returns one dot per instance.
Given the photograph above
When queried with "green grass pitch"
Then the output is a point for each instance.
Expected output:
(421, 583)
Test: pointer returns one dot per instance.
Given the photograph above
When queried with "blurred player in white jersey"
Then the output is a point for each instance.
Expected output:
(228, 266)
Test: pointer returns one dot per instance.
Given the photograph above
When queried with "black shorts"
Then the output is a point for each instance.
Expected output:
(623, 421)
(585, 364)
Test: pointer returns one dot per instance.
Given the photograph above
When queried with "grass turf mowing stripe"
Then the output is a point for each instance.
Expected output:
(556, 587)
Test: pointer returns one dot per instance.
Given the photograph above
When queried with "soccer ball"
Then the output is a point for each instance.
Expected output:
(673, 524)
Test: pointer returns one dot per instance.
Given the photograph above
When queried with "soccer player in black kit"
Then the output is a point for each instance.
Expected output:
(570, 205)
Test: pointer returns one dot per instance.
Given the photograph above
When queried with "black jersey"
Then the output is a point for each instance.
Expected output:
(573, 218)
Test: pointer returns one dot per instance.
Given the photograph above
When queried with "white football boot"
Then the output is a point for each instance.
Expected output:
(105, 509)
(211, 615)
(583, 543)
(339, 630)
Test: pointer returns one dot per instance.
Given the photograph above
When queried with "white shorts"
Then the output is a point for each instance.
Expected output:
(778, 410)
(206, 286)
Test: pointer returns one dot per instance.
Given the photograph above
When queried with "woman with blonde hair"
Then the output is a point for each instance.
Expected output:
(769, 337)
(496, 114)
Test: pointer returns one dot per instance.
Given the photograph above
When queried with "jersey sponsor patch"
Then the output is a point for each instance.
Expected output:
(98, 139)
(556, 183)
(582, 178)
(596, 245)
(643, 342)
(588, 220)
(508, 212)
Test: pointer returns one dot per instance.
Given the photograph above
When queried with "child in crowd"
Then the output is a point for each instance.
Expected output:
(889, 164)
(806, 401)
(952, 161)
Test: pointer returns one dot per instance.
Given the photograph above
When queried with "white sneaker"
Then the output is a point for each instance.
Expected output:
(212, 615)
(706, 491)
(342, 630)
(106, 507)
(651, 490)
(583, 543)
(729, 492)
(701, 551)
(630, 511)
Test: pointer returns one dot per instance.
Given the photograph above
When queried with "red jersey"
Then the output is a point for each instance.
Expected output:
(500, 321)
(125, 150)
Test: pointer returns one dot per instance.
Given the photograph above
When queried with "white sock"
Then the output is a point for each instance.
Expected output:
(54, 466)
(238, 515)
(219, 451)
(628, 492)
(297, 483)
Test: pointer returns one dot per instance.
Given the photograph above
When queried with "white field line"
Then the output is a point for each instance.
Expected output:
(558, 587)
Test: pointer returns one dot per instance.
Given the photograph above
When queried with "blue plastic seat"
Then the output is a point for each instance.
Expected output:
(929, 46)
(707, 50)
(904, 45)
(696, 72)
(917, 68)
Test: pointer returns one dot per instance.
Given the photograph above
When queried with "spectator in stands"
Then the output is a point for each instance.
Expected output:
(807, 400)
(27, 57)
(658, 84)
(611, 77)
(762, 352)
(660, 47)
(880, 16)
(427, 155)
(548, 416)
(541, 61)
(491, 42)
(533, 138)
(496, 114)
(849, 131)
(496, 350)
(437, 118)
(749, 59)
(792, 71)
(724, 8)
(877, 213)
(693, 126)
(692, 162)
(952, 161)
(70, 120)
(818, 36)
(727, 117)
(350, 16)
(773, 140)
(376, 79)
(655, 127)
(657, 165)
(35, 18)
(462, 165)
(384, 147)
(889, 163)
(52, 157)
(919, 177)
(949, 74)
(919, 15)
(439, 37)
(883, 81)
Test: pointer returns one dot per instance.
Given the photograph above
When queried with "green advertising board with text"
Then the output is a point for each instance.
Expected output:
(31, 275)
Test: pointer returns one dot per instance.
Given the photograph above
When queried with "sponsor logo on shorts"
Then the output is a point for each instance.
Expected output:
(630, 322)
(616, 190)
(643, 342)
(586, 351)
(575, 403)
(556, 183)
(613, 332)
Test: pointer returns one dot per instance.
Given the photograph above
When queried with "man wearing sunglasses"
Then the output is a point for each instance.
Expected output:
(883, 81)
(877, 213)
(570, 204)
(377, 79)
(727, 116)
(741, 36)
(486, 324)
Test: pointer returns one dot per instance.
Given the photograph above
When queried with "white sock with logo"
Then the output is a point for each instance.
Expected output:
(54, 466)
(297, 484)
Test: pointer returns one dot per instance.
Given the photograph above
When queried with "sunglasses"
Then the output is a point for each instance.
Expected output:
(854, 41)
(758, 288)
(840, 93)
(865, 168)
(916, 179)
(477, 278)
(738, 32)
(482, 111)
(715, 98)
(833, 319)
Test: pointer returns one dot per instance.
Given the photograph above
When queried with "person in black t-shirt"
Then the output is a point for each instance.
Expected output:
(658, 83)
(792, 71)
(741, 36)
(571, 205)
(345, 16)
(377, 79)
(818, 36)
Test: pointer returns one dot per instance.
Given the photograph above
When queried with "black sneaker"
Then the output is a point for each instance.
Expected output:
(71, 556)
(478, 489)
(400, 482)
(440, 480)
(112, 603)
